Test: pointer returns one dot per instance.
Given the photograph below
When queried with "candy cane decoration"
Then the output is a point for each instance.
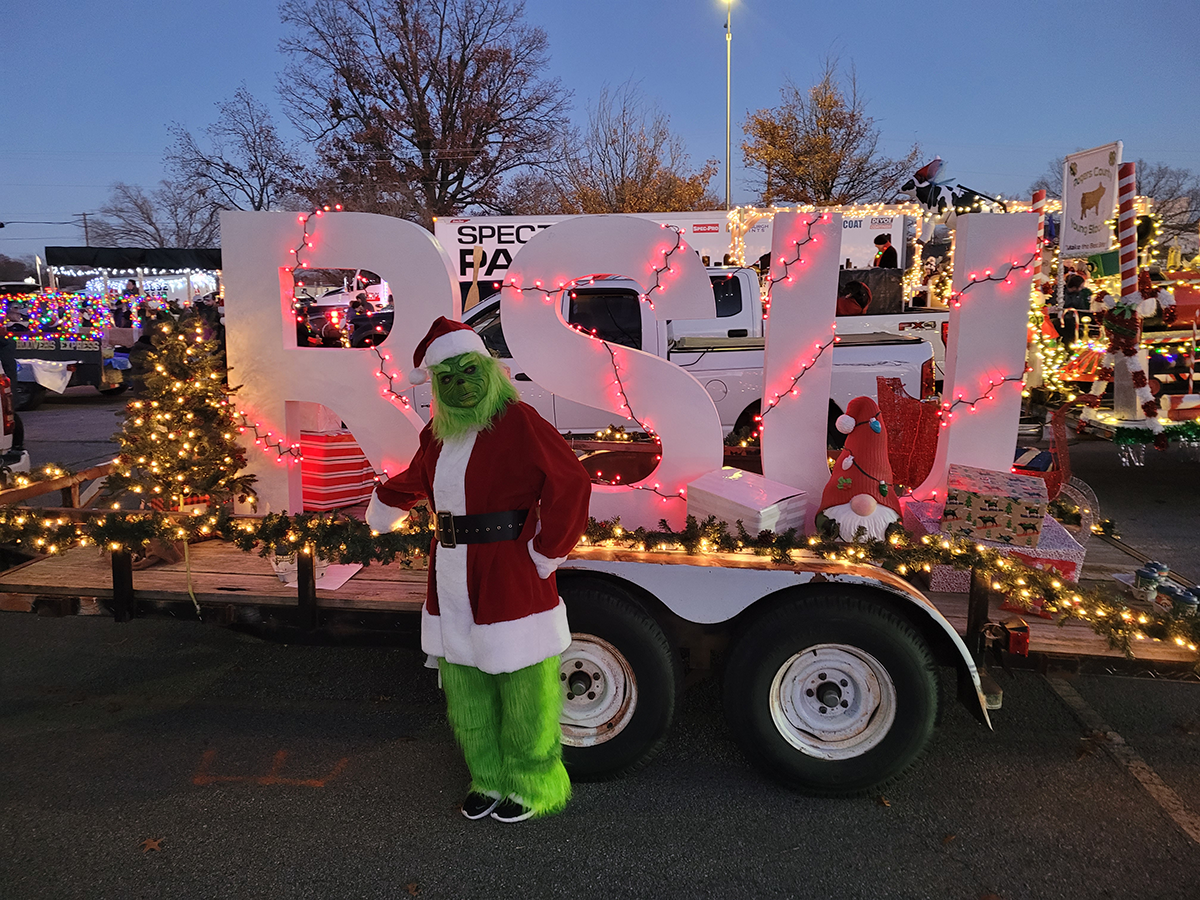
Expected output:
(1127, 230)
(1122, 320)
(1039, 209)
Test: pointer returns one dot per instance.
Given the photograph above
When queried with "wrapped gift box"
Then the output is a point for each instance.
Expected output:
(1056, 550)
(994, 506)
(1181, 407)
(333, 471)
(734, 494)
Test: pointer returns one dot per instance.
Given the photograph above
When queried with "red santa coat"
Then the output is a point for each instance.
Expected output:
(496, 606)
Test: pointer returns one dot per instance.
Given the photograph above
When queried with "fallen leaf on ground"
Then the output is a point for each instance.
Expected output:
(948, 838)
(413, 888)
(152, 844)
(883, 801)
(1190, 727)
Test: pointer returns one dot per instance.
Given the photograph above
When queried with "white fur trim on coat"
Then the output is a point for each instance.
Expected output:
(451, 344)
(384, 518)
(545, 564)
(502, 646)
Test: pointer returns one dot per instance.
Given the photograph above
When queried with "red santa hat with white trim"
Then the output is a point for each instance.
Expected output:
(445, 340)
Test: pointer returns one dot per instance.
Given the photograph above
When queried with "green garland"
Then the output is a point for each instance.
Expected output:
(1104, 609)
(344, 539)
(1182, 431)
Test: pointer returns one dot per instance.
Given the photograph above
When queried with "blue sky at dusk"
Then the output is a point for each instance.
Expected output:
(995, 89)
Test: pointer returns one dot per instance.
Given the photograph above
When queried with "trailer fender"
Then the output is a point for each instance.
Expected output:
(711, 595)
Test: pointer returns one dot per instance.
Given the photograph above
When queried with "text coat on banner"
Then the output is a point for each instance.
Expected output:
(1089, 200)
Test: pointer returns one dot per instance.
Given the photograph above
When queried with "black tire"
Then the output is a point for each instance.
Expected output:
(885, 691)
(28, 395)
(115, 390)
(621, 727)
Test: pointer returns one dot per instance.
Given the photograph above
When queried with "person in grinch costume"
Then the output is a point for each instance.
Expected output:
(859, 499)
(510, 501)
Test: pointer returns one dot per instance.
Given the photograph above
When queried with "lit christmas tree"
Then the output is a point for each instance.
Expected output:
(179, 442)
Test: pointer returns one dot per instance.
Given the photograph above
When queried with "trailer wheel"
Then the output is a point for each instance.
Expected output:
(832, 694)
(620, 677)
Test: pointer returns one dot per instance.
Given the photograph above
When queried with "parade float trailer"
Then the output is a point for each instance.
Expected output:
(828, 661)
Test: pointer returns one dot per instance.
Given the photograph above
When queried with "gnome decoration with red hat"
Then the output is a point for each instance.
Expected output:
(859, 499)
(510, 501)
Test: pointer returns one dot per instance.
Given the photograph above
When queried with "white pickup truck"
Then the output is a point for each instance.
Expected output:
(724, 353)
(501, 238)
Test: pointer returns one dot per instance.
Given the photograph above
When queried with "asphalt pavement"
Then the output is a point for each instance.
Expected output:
(264, 770)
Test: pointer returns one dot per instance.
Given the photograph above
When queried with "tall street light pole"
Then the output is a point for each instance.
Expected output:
(728, 60)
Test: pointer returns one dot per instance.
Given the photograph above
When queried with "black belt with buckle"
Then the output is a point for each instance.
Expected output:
(483, 528)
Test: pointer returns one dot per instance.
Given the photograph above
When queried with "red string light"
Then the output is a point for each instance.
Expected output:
(791, 388)
(788, 263)
(973, 279)
(263, 440)
(946, 412)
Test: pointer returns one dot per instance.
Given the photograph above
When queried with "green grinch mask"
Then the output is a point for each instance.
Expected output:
(463, 383)
(469, 391)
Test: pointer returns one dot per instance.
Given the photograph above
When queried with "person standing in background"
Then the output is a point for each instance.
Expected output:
(885, 254)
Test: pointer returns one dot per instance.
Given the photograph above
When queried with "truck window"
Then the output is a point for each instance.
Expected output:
(728, 292)
(613, 316)
(487, 326)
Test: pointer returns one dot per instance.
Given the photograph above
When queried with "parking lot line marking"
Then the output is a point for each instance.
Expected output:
(204, 774)
(1129, 758)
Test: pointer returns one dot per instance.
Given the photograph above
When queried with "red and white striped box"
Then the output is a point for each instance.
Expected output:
(333, 471)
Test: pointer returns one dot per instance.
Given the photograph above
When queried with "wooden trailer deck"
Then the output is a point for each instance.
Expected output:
(225, 578)
(221, 575)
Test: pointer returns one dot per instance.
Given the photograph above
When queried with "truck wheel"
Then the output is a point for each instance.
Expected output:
(28, 395)
(832, 694)
(620, 676)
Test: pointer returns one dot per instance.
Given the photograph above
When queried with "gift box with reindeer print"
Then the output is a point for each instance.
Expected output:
(994, 506)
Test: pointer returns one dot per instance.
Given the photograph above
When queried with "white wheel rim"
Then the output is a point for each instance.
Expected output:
(833, 701)
(600, 691)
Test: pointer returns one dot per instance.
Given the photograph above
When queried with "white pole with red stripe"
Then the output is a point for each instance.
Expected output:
(1039, 208)
(1127, 227)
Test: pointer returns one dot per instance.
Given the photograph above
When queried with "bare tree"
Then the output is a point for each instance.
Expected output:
(172, 215)
(16, 268)
(534, 193)
(427, 104)
(246, 165)
(819, 146)
(1176, 196)
(1051, 180)
(628, 160)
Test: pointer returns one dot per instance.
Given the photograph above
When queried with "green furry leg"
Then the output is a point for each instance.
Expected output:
(531, 700)
(508, 728)
(473, 708)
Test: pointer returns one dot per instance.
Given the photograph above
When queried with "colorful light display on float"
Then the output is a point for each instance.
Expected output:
(54, 314)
